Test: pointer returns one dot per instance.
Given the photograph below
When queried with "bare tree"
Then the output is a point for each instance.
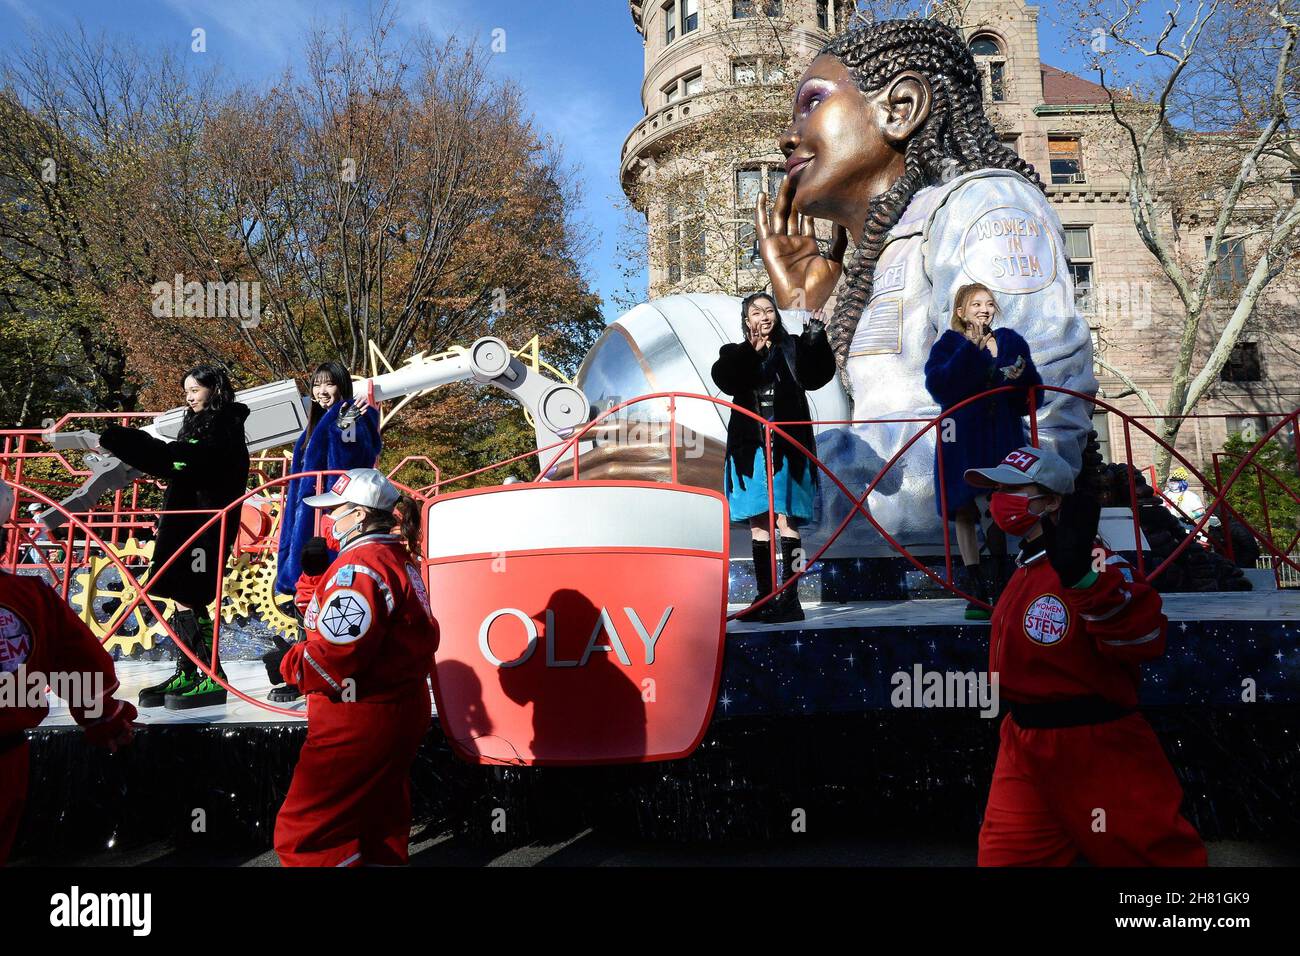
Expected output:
(1200, 105)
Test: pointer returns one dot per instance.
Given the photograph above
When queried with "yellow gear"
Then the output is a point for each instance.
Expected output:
(237, 588)
(274, 610)
(247, 591)
(140, 630)
(99, 581)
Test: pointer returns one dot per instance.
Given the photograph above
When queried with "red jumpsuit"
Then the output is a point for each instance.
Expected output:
(43, 641)
(364, 668)
(1076, 782)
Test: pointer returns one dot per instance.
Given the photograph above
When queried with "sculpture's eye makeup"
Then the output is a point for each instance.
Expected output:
(810, 95)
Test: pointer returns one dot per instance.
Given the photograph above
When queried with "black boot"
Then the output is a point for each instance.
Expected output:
(206, 692)
(786, 606)
(284, 694)
(972, 581)
(186, 626)
(763, 578)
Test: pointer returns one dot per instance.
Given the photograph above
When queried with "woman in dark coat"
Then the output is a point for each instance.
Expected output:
(969, 358)
(205, 469)
(769, 374)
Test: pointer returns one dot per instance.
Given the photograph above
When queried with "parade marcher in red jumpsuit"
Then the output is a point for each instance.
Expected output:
(364, 668)
(1079, 770)
(43, 642)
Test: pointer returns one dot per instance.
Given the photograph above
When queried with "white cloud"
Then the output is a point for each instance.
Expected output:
(30, 18)
(270, 26)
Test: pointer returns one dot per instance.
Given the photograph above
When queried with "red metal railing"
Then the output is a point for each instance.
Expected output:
(85, 532)
(1261, 475)
(858, 502)
(75, 523)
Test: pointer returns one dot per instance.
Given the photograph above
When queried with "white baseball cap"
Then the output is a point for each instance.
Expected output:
(1026, 465)
(360, 486)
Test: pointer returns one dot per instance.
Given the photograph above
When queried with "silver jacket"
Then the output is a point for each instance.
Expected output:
(991, 226)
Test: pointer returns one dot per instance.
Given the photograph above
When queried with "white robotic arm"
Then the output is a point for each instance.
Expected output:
(556, 407)
(277, 416)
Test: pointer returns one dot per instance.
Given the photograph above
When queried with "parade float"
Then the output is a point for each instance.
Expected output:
(609, 575)
(588, 617)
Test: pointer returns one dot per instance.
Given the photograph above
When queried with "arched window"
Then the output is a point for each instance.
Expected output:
(992, 62)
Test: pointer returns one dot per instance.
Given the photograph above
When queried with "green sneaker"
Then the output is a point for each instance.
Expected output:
(205, 692)
(181, 681)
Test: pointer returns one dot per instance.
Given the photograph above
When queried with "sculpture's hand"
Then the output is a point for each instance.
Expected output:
(802, 278)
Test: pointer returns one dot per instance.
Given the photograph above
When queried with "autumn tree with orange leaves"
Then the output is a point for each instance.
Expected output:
(393, 199)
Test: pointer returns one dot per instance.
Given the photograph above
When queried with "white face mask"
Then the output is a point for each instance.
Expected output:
(342, 536)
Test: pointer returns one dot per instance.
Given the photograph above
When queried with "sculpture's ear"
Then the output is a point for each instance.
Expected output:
(908, 98)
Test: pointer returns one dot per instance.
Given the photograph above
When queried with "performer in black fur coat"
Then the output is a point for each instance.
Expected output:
(205, 469)
(768, 374)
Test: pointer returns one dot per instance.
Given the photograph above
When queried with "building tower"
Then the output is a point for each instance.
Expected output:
(696, 51)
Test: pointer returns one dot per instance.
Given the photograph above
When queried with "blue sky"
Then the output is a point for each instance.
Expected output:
(579, 61)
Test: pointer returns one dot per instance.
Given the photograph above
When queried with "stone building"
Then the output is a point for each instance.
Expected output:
(1053, 119)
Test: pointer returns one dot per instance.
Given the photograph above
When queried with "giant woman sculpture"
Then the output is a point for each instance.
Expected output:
(889, 142)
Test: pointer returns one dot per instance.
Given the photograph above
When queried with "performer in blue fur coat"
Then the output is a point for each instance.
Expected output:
(969, 358)
(323, 446)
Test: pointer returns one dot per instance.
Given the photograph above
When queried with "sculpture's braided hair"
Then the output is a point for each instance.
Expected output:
(955, 138)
